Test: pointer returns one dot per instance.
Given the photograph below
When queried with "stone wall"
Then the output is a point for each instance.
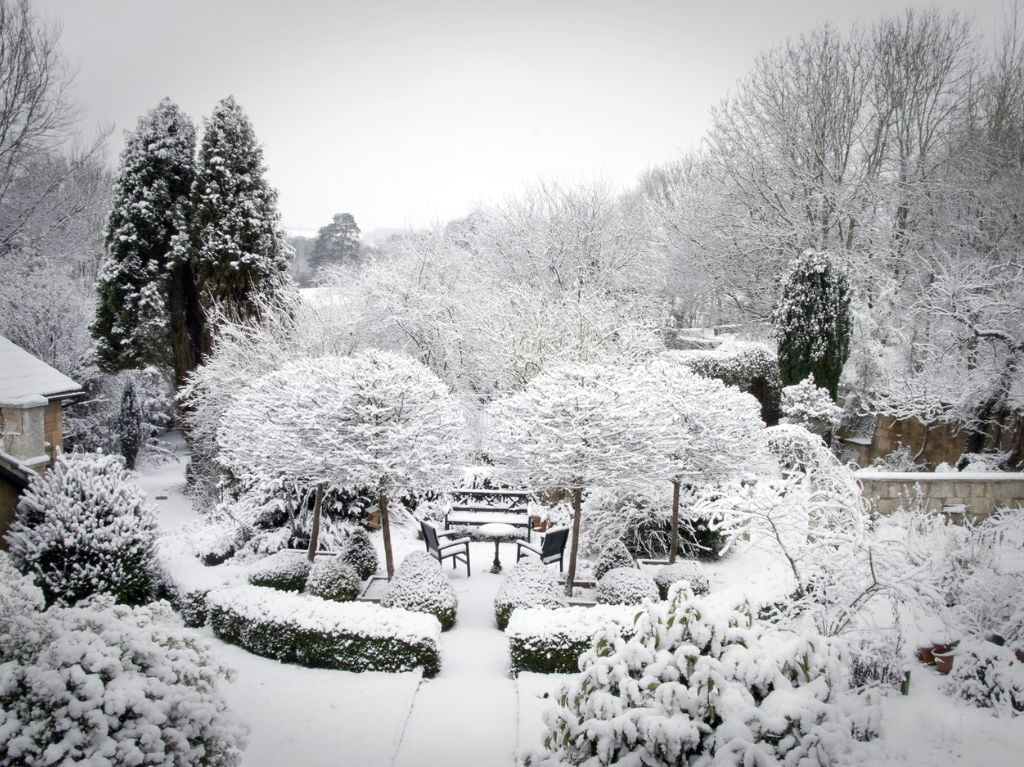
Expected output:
(980, 493)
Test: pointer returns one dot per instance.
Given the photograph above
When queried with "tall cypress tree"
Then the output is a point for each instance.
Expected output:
(234, 244)
(812, 322)
(132, 326)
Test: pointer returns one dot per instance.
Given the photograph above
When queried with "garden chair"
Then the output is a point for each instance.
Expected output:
(440, 548)
(552, 549)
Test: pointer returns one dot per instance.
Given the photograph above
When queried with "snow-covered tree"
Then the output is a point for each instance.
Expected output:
(233, 243)
(375, 419)
(132, 326)
(810, 406)
(84, 528)
(572, 428)
(336, 244)
(813, 323)
(129, 426)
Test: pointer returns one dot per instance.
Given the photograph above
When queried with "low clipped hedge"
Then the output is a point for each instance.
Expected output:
(530, 584)
(309, 631)
(625, 586)
(549, 641)
(285, 570)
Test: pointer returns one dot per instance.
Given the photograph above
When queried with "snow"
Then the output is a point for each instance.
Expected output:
(23, 375)
(943, 476)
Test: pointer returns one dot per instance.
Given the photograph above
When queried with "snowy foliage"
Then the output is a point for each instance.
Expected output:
(877, 660)
(285, 570)
(810, 406)
(750, 366)
(988, 676)
(625, 586)
(700, 683)
(615, 554)
(682, 570)
(84, 528)
(641, 519)
(420, 585)
(352, 636)
(333, 578)
(102, 683)
(358, 552)
(529, 584)
(899, 460)
(550, 641)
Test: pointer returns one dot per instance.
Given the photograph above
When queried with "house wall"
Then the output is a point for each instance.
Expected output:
(980, 493)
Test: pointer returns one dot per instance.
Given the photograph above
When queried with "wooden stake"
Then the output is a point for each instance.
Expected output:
(314, 534)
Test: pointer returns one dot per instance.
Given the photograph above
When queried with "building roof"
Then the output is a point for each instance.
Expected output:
(23, 376)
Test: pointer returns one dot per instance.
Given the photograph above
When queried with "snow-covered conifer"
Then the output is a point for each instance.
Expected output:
(150, 206)
(84, 528)
(129, 425)
(359, 553)
(615, 554)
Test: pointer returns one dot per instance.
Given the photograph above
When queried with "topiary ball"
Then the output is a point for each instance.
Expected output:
(625, 586)
(284, 571)
(615, 554)
(530, 584)
(333, 578)
(420, 585)
(683, 570)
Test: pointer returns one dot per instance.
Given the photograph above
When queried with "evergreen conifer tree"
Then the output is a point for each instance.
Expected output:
(129, 425)
(812, 322)
(234, 244)
(132, 327)
(336, 244)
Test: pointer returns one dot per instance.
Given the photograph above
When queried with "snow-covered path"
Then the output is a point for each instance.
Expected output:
(467, 715)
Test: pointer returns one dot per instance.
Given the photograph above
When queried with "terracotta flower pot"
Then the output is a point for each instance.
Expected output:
(925, 655)
(944, 654)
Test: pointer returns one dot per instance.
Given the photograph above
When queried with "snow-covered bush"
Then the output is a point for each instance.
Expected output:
(551, 641)
(614, 555)
(989, 602)
(103, 683)
(989, 676)
(899, 460)
(333, 578)
(749, 366)
(877, 661)
(682, 570)
(84, 528)
(625, 586)
(303, 629)
(358, 551)
(641, 521)
(700, 683)
(420, 585)
(994, 461)
(285, 570)
(530, 584)
(810, 406)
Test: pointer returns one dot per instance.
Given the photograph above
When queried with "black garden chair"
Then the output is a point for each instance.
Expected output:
(440, 548)
(552, 549)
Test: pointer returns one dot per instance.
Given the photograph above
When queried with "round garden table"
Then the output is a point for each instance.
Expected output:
(497, 531)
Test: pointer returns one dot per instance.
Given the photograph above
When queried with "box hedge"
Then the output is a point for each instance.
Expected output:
(548, 641)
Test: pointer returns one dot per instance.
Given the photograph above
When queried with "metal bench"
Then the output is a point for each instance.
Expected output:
(475, 507)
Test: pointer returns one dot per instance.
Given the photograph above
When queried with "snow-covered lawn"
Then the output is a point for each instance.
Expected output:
(473, 712)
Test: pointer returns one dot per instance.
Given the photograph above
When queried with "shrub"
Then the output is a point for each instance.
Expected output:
(640, 521)
(285, 571)
(303, 629)
(699, 683)
(359, 552)
(810, 406)
(625, 586)
(551, 641)
(877, 661)
(530, 584)
(84, 528)
(681, 570)
(102, 683)
(699, 539)
(421, 586)
(749, 366)
(333, 578)
(614, 555)
(989, 676)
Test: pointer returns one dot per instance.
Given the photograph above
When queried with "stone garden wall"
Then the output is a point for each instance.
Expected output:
(980, 493)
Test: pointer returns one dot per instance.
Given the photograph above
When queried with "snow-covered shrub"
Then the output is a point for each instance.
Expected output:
(750, 366)
(682, 570)
(84, 528)
(219, 537)
(303, 629)
(989, 603)
(810, 406)
(420, 585)
(551, 641)
(614, 555)
(333, 578)
(989, 676)
(285, 570)
(877, 660)
(639, 520)
(993, 461)
(899, 460)
(625, 586)
(358, 551)
(530, 584)
(433, 510)
(103, 683)
(700, 683)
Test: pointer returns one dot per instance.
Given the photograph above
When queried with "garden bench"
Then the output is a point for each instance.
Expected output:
(472, 508)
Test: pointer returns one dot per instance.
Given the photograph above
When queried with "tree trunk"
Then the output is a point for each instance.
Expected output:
(314, 533)
(385, 526)
(577, 503)
(673, 550)
(187, 321)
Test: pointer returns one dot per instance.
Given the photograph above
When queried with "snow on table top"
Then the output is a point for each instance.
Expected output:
(23, 376)
(574, 622)
(309, 612)
(942, 476)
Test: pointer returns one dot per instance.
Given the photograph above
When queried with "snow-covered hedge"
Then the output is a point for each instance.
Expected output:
(810, 406)
(681, 570)
(303, 629)
(84, 528)
(700, 683)
(107, 684)
(285, 570)
(333, 578)
(625, 586)
(551, 641)
(750, 366)
(989, 676)
(614, 555)
(420, 585)
(358, 551)
(530, 584)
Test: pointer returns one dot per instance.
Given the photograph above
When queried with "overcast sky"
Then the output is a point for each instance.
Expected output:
(407, 112)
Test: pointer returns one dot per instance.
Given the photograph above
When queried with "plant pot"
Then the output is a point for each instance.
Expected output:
(1020, 654)
(925, 655)
(944, 654)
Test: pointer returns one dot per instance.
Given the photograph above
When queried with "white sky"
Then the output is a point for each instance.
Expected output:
(406, 112)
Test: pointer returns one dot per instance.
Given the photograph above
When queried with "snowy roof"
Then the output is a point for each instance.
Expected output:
(23, 376)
